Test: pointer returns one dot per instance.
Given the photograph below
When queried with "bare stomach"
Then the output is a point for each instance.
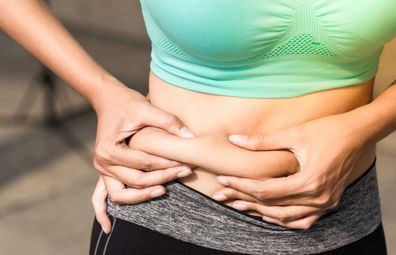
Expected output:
(214, 117)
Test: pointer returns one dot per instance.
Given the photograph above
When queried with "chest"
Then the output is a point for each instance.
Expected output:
(234, 30)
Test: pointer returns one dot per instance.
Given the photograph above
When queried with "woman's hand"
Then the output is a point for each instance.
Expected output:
(121, 113)
(98, 200)
(326, 149)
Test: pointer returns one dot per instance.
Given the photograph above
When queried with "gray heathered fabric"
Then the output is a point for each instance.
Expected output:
(188, 215)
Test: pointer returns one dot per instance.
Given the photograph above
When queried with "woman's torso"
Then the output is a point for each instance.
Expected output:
(281, 62)
(249, 67)
(217, 115)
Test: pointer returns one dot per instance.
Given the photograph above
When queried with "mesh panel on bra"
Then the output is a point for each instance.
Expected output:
(302, 44)
(304, 36)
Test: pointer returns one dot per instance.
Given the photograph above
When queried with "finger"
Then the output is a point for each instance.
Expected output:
(304, 223)
(125, 156)
(121, 195)
(294, 200)
(281, 213)
(285, 191)
(226, 194)
(324, 200)
(276, 140)
(139, 180)
(100, 206)
(265, 189)
(167, 121)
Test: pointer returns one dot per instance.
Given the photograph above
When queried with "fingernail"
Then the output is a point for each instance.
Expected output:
(241, 207)
(184, 173)
(222, 180)
(157, 192)
(219, 197)
(238, 139)
(186, 133)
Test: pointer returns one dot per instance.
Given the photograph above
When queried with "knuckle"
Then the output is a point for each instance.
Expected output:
(229, 193)
(258, 143)
(136, 121)
(97, 165)
(140, 184)
(135, 181)
(102, 154)
(253, 207)
(171, 119)
(314, 187)
(232, 195)
(283, 217)
(116, 199)
(324, 200)
(129, 181)
(260, 194)
(146, 164)
(165, 176)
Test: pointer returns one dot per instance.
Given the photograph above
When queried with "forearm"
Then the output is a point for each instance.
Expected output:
(31, 24)
(215, 155)
(376, 120)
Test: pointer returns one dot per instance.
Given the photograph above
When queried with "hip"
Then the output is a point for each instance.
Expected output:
(190, 216)
(130, 238)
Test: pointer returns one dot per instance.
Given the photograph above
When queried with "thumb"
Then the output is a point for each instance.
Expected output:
(169, 122)
(276, 140)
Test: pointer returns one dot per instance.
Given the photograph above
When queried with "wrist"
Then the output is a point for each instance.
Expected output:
(368, 124)
(109, 88)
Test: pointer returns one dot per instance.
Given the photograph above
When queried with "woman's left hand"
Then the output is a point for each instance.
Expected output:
(326, 149)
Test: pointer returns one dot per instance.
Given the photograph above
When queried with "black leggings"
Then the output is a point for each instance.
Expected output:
(130, 239)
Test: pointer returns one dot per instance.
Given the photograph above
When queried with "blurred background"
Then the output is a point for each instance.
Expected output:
(47, 132)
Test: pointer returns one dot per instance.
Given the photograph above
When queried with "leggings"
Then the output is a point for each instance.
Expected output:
(185, 221)
(128, 238)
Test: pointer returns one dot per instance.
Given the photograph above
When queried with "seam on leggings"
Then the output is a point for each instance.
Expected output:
(98, 241)
(108, 239)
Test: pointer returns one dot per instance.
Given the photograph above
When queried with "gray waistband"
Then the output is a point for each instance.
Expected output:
(188, 215)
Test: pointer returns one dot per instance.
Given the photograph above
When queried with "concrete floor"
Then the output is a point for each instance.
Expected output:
(45, 184)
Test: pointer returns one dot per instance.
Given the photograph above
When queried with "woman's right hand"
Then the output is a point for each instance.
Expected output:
(121, 113)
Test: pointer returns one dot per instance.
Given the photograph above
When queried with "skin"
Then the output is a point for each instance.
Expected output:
(210, 153)
(299, 200)
(304, 126)
(121, 111)
(323, 170)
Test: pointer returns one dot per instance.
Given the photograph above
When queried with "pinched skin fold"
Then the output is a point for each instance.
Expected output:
(215, 155)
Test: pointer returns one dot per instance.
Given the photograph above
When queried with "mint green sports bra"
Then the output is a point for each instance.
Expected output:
(267, 48)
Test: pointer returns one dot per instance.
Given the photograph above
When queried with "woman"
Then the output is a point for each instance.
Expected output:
(296, 82)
